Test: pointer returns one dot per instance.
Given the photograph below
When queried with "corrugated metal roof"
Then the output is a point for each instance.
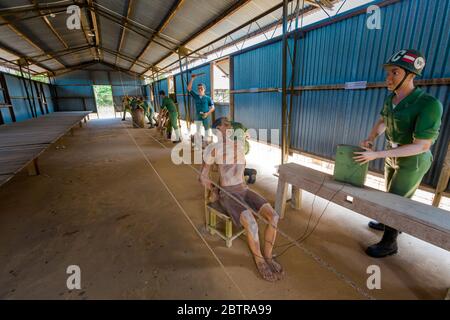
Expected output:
(145, 17)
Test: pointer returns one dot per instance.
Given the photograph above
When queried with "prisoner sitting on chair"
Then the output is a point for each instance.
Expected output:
(228, 155)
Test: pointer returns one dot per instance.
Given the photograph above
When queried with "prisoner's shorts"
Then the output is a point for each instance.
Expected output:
(245, 195)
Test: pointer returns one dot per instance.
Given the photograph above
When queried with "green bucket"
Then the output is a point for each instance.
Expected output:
(346, 169)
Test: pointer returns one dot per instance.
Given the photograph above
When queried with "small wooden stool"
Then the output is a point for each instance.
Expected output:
(214, 210)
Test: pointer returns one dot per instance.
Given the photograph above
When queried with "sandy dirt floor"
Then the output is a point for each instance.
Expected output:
(113, 203)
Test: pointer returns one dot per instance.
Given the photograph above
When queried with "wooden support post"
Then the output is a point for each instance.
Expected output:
(33, 168)
(231, 116)
(280, 201)
(72, 133)
(60, 144)
(443, 180)
(85, 121)
(211, 86)
(296, 199)
(212, 221)
(228, 228)
(81, 124)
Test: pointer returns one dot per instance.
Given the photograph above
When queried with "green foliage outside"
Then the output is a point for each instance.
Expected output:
(103, 96)
(41, 78)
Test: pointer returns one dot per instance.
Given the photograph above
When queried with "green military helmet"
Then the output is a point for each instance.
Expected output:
(409, 60)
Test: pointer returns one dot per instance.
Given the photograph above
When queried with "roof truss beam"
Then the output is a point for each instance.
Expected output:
(177, 5)
(122, 31)
(232, 9)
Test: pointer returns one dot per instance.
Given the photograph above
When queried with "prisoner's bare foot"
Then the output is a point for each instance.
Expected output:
(265, 270)
(276, 267)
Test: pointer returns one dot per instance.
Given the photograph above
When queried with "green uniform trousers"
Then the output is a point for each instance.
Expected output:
(403, 175)
(205, 122)
(173, 116)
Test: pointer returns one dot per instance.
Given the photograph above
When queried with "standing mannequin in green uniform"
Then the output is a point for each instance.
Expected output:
(167, 103)
(126, 106)
(411, 120)
(204, 107)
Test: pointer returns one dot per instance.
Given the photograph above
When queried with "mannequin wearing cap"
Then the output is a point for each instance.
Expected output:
(411, 120)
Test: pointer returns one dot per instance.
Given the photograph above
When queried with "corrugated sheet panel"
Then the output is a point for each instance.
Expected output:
(222, 110)
(75, 88)
(323, 119)
(349, 51)
(18, 98)
(259, 111)
(258, 68)
(342, 52)
(74, 91)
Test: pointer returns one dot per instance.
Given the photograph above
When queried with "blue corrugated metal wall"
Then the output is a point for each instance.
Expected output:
(75, 92)
(259, 110)
(222, 109)
(342, 52)
(19, 99)
(122, 84)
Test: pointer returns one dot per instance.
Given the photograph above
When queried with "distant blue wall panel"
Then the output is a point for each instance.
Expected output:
(21, 109)
(74, 78)
(78, 84)
(17, 93)
(322, 119)
(259, 111)
(6, 115)
(222, 110)
(75, 91)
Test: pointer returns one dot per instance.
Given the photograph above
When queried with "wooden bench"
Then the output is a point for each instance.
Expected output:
(21, 143)
(423, 221)
(417, 219)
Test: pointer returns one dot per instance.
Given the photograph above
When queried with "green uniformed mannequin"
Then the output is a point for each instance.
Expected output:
(204, 107)
(167, 103)
(411, 120)
(126, 106)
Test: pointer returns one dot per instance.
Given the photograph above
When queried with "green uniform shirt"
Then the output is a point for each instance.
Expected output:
(418, 116)
(168, 104)
(133, 104)
(202, 104)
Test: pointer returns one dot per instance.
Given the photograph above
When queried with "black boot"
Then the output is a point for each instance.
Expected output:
(251, 174)
(387, 246)
(376, 225)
